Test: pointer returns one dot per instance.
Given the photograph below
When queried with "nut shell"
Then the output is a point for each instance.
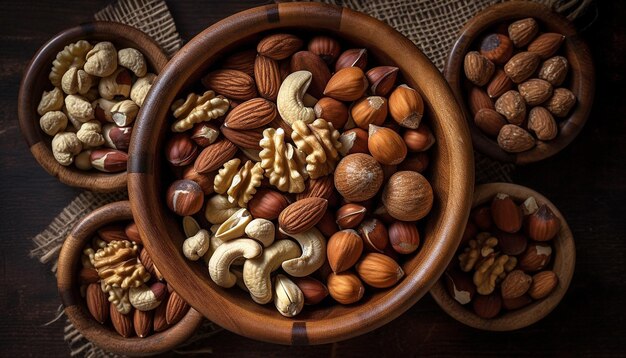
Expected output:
(489, 121)
(386, 145)
(343, 250)
(185, 197)
(332, 110)
(404, 237)
(369, 110)
(378, 270)
(507, 215)
(512, 106)
(541, 122)
(350, 215)
(358, 177)
(535, 91)
(345, 288)
(408, 196)
(406, 106)
(497, 48)
(521, 66)
(347, 84)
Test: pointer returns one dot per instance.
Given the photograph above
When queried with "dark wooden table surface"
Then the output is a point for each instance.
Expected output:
(586, 181)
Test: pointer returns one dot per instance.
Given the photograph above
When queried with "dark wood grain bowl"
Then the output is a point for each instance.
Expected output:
(563, 263)
(76, 310)
(35, 81)
(581, 79)
(452, 177)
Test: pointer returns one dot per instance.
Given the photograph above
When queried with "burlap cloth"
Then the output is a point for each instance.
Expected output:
(431, 25)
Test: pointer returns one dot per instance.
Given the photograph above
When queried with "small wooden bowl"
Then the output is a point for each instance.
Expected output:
(563, 258)
(451, 172)
(76, 308)
(581, 76)
(35, 81)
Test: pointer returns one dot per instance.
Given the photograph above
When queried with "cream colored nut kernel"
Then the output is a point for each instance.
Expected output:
(261, 230)
(90, 133)
(76, 81)
(191, 226)
(133, 60)
(117, 84)
(290, 96)
(288, 298)
(194, 247)
(143, 298)
(92, 94)
(219, 209)
(239, 183)
(82, 160)
(50, 101)
(234, 226)
(65, 146)
(102, 109)
(226, 254)
(257, 271)
(101, 60)
(140, 88)
(53, 122)
(79, 108)
(195, 109)
(319, 141)
(313, 245)
(124, 112)
(284, 165)
(73, 55)
(118, 297)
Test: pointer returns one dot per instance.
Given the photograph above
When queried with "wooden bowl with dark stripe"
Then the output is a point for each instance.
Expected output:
(35, 81)
(76, 309)
(452, 176)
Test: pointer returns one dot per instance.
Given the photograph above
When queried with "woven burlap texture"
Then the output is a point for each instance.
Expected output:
(431, 25)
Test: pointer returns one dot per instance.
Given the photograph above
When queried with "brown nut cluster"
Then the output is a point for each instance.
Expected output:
(138, 307)
(504, 260)
(97, 93)
(516, 86)
(337, 150)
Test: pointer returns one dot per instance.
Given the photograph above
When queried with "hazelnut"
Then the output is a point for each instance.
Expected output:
(417, 162)
(487, 306)
(481, 216)
(204, 180)
(386, 145)
(325, 47)
(347, 84)
(536, 257)
(204, 134)
(404, 237)
(378, 270)
(180, 150)
(354, 141)
(356, 57)
(382, 79)
(267, 204)
(343, 250)
(543, 225)
(374, 235)
(358, 177)
(185, 197)
(460, 286)
(369, 110)
(507, 216)
(332, 110)
(406, 106)
(408, 196)
(345, 288)
(420, 139)
(497, 48)
(350, 215)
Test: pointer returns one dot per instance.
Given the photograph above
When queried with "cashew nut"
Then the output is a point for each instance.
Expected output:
(123, 113)
(289, 100)
(53, 122)
(65, 146)
(140, 88)
(261, 230)
(238, 272)
(117, 84)
(90, 134)
(101, 59)
(76, 81)
(83, 161)
(50, 101)
(288, 298)
(234, 226)
(313, 245)
(78, 108)
(256, 272)
(197, 245)
(218, 209)
(214, 243)
(133, 60)
(225, 254)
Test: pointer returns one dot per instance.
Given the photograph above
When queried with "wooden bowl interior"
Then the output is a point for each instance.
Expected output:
(580, 80)
(563, 262)
(35, 81)
(232, 308)
(75, 305)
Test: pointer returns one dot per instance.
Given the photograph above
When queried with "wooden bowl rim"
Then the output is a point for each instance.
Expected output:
(27, 100)
(75, 308)
(151, 218)
(563, 247)
(582, 78)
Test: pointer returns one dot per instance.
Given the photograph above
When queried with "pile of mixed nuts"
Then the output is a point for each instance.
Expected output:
(122, 285)
(504, 257)
(529, 62)
(99, 91)
(309, 168)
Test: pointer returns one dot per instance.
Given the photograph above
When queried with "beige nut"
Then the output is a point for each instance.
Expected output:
(82, 161)
(234, 226)
(195, 246)
(289, 100)
(195, 109)
(133, 60)
(320, 142)
(140, 88)
(76, 81)
(78, 108)
(101, 60)
(90, 133)
(73, 55)
(102, 109)
(117, 84)
(313, 245)
(284, 165)
(124, 112)
(256, 271)
(65, 146)
(118, 297)
(288, 298)
(50, 101)
(53, 122)
(146, 298)
(219, 209)
(261, 230)
(239, 183)
(226, 254)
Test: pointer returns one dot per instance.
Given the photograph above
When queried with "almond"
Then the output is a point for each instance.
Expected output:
(242, 61)
(541, 122)
(347, 84)
(500, 83)
(535, 91)
(546, 45)
(267, 77)
(507, 216)
(142, 321)
(147, 262)
(543, 284)
(521, 32)
(308, 61)
(535, 258)
(515, 284)
(279, 46)
(489, 121)
(251, 114)
(487, 306)
(88, 275)
(322, 187)
(516, 303)
(343, 250)
(97, 303)
(302, 215)
(214, 156)
(231, 83)
(122, 323)
(512, 106)
(176, 308)
(478, 69)
(159, 322)
(554, 70)
(244, 138)
(514, 139)
(521, 66)
(561, 102)
(478, 99)
(112, 232)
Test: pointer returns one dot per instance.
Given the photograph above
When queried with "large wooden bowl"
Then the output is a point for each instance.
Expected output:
(35, 81)
(76, 310)
(563, 262)
(452, 177)
(581, 79)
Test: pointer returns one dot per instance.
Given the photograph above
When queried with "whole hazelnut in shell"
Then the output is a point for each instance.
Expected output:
(408, 196)
(185, 197)
(386, 145)
(358, 177)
